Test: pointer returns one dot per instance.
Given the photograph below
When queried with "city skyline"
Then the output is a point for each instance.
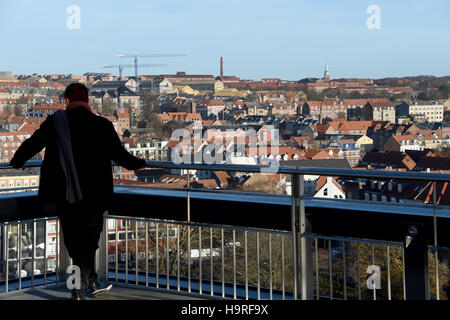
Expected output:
(288, 40)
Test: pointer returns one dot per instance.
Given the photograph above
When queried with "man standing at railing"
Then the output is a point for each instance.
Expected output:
(76, 176)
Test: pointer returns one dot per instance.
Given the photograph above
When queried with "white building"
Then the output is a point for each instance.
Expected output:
(434, 112)
(165, 86)
(153, 150)
(328, 187)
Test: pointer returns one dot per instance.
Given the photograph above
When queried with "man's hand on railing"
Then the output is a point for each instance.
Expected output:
(143, 163)
(16, 166)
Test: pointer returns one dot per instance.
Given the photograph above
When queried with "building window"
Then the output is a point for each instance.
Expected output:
(140, 224)
(111, 223)
(125, 224)
(111, 237)
(51, 227)
(51, 264)
(123, 256)
(141, 235)
(141, 255)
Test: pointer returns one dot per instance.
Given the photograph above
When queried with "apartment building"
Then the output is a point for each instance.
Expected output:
(9, 143)
(434, 112)
(152, 150)
(128, 98)
(179, 116)
(202, 85)
(123, 120)
(427, 138)
(401, 143)
(256, 109)
(12, 179)
(284, 109)
(42, 111)
(328, 187)
(328, 108)
(383, 110)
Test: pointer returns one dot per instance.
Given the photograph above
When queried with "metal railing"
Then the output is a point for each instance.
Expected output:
(240, 263)
(306, 265)
(202, 258)
(30, 254)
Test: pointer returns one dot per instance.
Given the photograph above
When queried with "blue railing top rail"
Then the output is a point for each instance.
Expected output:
(353, 173)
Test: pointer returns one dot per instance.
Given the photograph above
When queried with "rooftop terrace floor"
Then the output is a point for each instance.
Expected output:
(118, 292)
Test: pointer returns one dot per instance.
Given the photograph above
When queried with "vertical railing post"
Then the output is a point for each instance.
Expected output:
(306, 256)
(188, 199)
(435, 242)
(416, 263)
(7, 258)
(33, 252)
(295, 194)
(5, 247)
(19, 253)
(302, 246)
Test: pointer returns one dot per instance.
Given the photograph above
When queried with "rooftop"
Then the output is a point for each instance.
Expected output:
(118, 292)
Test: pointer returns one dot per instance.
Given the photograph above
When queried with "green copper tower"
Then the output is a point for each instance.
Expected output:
(326, 75)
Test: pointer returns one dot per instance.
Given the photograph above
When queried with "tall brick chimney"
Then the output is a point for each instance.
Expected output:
(221, 66)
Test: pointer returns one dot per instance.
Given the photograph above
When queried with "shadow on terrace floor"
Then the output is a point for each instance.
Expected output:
(118, 292)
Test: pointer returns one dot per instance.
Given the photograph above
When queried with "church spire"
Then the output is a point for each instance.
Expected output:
(326, 75)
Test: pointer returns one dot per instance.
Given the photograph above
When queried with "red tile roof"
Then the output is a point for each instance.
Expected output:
(212, 102)
(381, 103)
(179, 116)
(322, 180)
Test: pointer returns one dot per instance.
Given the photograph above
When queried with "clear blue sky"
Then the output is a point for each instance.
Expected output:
(290, 39)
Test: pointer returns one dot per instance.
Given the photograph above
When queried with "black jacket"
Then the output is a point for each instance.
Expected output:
(94, 144)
